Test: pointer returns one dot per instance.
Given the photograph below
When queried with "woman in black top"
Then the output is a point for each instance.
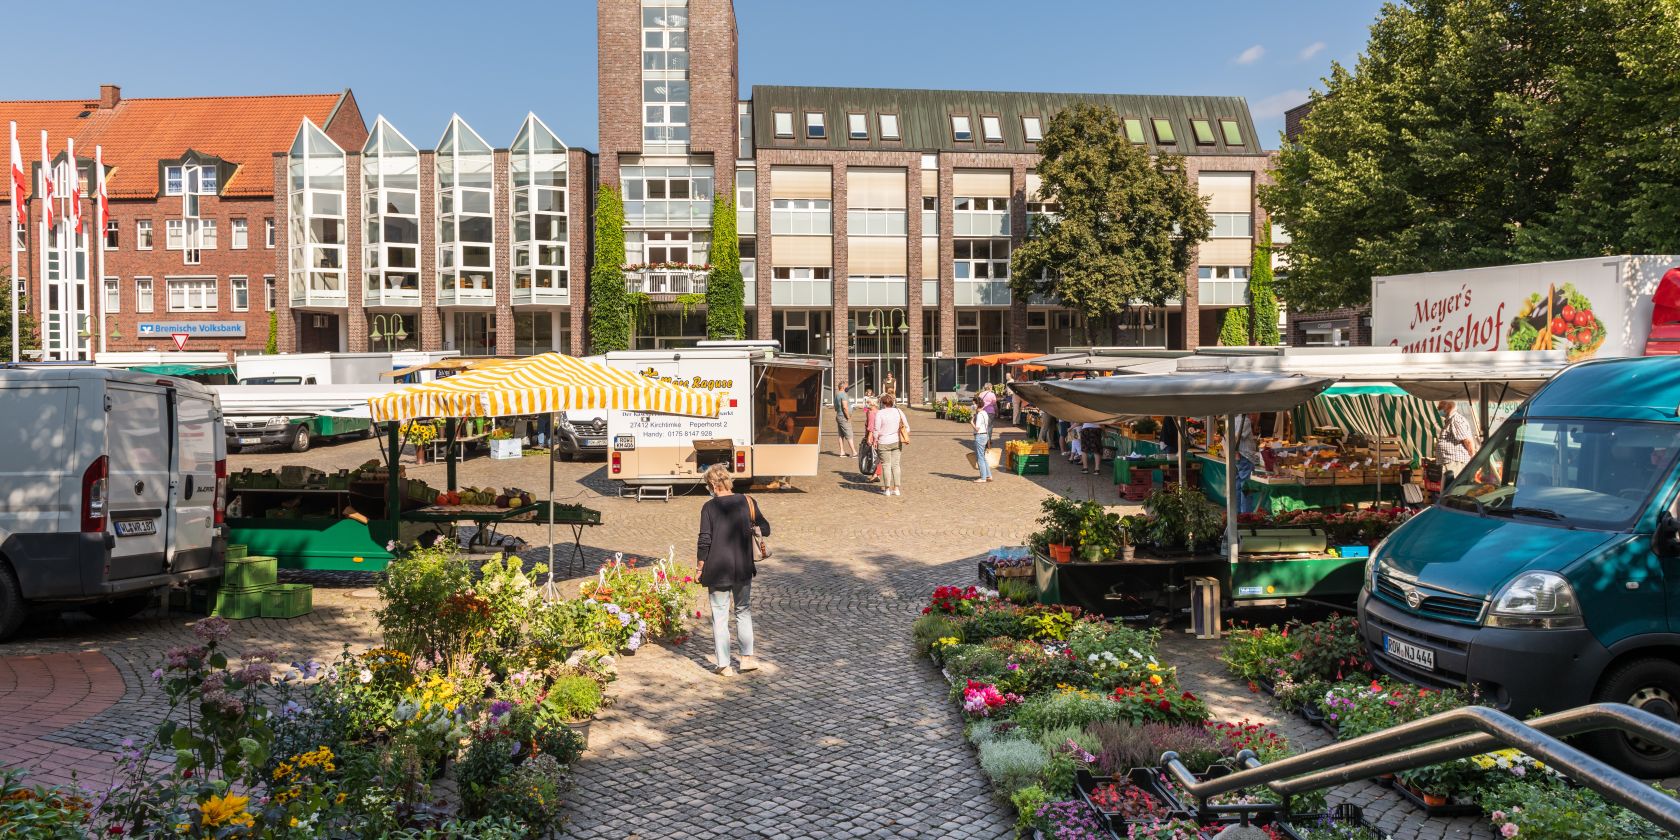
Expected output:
(728, 562)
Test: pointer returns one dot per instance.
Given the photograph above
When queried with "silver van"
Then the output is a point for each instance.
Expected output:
(112, 484)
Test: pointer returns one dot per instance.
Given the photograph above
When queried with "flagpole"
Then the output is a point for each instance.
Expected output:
(11, 236)
(46, 236)
(75, 268)
(99, 223)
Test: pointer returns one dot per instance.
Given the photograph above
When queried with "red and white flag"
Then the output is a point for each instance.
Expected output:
(46, 182)
(102, 210)
(20, 181)
(74, 172)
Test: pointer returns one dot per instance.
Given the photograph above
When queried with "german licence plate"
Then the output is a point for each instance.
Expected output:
(624, 443)
(136, 527)
(250, 441)
(1407, 652)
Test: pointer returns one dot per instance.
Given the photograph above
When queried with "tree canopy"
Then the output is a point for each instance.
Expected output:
(1128, 225)
(26, 325)
(1480, 132)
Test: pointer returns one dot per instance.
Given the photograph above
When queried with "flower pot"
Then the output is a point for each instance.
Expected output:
(1127, 554)
(1091, 553)
(1061, 553)
(582, 729)
(1434, 800)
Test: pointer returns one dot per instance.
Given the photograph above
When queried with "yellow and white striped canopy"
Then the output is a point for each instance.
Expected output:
(541, 384)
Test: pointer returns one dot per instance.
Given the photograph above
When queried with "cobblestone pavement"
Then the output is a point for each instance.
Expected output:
(842, 734)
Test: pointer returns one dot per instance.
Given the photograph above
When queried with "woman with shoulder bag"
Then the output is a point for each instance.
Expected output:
(982, 423)
(889, 433)
(732, 529)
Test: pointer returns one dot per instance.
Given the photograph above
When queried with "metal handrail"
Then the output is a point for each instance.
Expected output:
(1419, 744)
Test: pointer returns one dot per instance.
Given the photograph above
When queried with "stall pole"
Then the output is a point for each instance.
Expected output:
(1231, 484)
(550, 592)
(1484, 395)
(449, 437)
(1183, 429)
(393, 485)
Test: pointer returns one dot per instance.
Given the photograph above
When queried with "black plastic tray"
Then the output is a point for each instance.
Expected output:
(1448, 810)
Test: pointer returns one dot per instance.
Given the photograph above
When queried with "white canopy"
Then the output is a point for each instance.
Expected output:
(1201, 394)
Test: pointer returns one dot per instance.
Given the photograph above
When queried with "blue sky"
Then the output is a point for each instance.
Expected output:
(420, 61)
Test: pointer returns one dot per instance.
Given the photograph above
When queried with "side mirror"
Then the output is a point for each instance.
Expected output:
(1666, 542)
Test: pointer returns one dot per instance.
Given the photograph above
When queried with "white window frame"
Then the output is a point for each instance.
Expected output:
(207, 234)
(802, 217)
(174, 234)
(991, 128)
(174, 180)
(111, 301)
(197, 294)
(888, 124)
(973, 216)
(239, 286)
(1232, 226)
(872, 221)
(962, 129)
(144, 300)
(746, 189)
(1032, 128)
(268, 232)
(208, 179)
(783, 122)
(1215, 284)
(239, 234)
(969, 268)
(816, 125)
(143, 234)
(857, 126)
(113, 233)
(270, 301)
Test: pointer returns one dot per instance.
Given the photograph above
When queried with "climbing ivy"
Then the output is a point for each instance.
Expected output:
(1262, 300)
(726, 316)
(273, 345)
(1233, 332)
(609, 303)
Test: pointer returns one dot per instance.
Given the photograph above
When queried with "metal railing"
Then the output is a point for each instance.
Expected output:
(1467, 731)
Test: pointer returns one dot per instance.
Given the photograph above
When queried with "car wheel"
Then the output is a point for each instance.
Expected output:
(120, 609)
(1652, 685)
(300, 439)
(12, 609)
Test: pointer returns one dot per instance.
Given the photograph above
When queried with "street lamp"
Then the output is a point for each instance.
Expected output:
(389, 329)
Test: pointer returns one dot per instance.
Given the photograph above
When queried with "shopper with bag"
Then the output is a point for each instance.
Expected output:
(889, 433)
(982, 423)
(732, 532)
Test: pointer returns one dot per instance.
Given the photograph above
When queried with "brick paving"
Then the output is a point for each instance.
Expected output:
(843, 733)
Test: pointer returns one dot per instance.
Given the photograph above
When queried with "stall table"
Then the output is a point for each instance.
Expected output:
(488, 518)
(1123, 466)
(1279, 494)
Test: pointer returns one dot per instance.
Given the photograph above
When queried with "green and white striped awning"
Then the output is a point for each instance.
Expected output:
(1374, 410)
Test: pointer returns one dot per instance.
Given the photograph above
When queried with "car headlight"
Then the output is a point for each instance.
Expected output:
(275, 422)
(1536, 600)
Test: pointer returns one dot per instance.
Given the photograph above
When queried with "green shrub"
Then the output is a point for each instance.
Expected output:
(1128, 643)
(609, 300)
(1548, 808)
(1253, 653)
(725, 288)
(931, 628)
(974, 662)
(531, 795)
(1027, 801)
(487, 761)
(573, 698)
(994, 621)
(1066, 709)
(1018, 590)
(430, 610)
(39, 813)
(1011, 763)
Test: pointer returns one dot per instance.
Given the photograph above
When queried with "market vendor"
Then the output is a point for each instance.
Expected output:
(1248, 458)
(1456, 442)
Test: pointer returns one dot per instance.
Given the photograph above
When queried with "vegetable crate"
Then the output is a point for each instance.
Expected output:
(250, 572)
(239, 603)
(235, 551)
(287, 600)
(1032, 465)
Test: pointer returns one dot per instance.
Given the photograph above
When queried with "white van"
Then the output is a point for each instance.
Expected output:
(111, 485)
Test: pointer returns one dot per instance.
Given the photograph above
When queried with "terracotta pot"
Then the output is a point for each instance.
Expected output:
(1061, 553)
(1434, 800)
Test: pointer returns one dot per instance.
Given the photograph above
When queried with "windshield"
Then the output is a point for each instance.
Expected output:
(272, 380)
(1585, 473)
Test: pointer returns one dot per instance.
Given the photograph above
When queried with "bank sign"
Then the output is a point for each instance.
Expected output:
(1588, 307)
(197, 329)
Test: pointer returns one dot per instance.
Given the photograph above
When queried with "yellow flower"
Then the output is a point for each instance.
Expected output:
(283, 771)
(1154, 679)
(294, 822)
(225, 809)
(1154, 667)
(339, 799)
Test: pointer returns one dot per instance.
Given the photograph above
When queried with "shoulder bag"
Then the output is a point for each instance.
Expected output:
(761, 547)
(903, 431)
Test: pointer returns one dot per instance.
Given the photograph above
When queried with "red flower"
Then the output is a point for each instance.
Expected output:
(1164, 705)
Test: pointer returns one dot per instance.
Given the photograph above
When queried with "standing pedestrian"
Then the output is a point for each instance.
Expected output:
(1090, 447)
(843, 419)
(1248, 457)
(888, 433)
(728, 560)
(1455, 443)
(982, 422)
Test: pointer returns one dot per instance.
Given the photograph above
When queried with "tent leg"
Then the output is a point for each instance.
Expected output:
(451, 433)
(550, 592)
(393, 486)
(1232, 485)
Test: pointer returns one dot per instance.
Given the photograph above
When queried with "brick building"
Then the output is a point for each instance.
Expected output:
(190, 243)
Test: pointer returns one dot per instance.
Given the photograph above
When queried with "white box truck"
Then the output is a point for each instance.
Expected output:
(769, 421)
(315, 369)
(1593, 307)
(111, 485)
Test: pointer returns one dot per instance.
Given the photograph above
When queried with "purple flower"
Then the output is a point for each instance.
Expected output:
(499, 708)
(516, 748)
(291, 709)
(1013, 666)
(635, 641)
(157, 675)
(213, 629)
(613, 608)
(623, 619)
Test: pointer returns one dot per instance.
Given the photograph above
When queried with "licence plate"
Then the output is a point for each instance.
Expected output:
(1407, 652)
(594, 441)
(136, 527)
(249, 441)
(624, 442)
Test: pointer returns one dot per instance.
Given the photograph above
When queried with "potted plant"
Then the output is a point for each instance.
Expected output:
(1099, 533)
(1134, 529)
(1059, 527)
(1145, 428)
(504, 446)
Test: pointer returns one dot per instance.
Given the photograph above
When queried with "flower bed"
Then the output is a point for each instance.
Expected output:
(1070, 714)
(1319, 670)
(479, 676)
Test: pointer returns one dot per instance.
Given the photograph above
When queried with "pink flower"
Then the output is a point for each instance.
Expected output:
(1508, 830)
(1497, 816)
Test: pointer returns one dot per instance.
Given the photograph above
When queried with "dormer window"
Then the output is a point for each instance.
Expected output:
(172, 180)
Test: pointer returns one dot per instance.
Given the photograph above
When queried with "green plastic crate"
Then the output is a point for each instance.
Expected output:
(250, 572)
(239, 603)
(235, 551)
(1032, 464)
(287, 600)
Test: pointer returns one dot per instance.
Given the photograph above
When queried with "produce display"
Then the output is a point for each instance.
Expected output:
(506, 497)
(1560, 319)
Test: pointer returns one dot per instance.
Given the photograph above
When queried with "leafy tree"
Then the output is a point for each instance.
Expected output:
(273, 345)
(726, 315)
(609, 300)
(26, 325)
(1128, 225)
(1233, 329)
(1262, 301)
(1478, 132)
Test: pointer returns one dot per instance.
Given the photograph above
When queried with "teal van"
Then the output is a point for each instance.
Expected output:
(1548, 574)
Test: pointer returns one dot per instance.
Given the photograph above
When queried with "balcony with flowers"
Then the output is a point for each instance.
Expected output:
(666, 280)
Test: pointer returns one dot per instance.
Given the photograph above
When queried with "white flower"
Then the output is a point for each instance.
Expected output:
(365, 676)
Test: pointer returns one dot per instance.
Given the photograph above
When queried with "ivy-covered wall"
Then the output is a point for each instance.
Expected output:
(726, 314)
(609, 302)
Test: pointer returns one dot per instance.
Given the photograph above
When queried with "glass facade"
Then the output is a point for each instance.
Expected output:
(665, 128)
(540, 245)
(668, 195)
(466, 226)
(391, 229)
(317, 234)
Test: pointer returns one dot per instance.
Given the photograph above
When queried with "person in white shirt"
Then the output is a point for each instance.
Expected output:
(889, 431)
(1248, 457)
(1456, 441)
(982, 423)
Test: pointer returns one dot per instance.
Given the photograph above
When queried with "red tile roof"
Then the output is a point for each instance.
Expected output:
(137, 133)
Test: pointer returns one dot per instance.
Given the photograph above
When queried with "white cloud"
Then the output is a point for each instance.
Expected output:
(1311, 50)
(1250, 55)
(1273, 106)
